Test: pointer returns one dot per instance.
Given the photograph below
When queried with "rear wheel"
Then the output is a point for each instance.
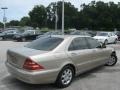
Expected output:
(65, 77)
(112, 61)
(106, 42)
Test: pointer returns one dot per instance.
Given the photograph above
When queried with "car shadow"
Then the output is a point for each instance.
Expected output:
(110, 69)
(102, 69)
(89, 74)
(14, 84)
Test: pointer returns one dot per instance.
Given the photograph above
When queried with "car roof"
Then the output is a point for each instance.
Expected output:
(105, 32)
(68, 36)
(10, 30)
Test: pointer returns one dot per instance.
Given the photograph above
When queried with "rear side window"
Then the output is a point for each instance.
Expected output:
(92, 43)
(45, 43)
(78, 44)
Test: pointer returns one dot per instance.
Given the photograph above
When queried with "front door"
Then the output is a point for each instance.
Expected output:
(81, 55)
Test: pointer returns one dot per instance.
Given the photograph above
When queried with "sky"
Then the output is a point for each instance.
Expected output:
(19, 8)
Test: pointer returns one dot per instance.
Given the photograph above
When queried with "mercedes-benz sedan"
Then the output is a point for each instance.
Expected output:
(57, 59)
(106, 37)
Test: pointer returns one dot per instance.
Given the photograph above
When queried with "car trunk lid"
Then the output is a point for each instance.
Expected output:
(17, 56)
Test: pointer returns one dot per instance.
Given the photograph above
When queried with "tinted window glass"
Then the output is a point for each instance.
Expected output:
(117, 33)
(78, 44)
(46, 43)
(102, 34)
(113, 34)
(37, 32)
(109, 34)
(28, 32)
(93, 43)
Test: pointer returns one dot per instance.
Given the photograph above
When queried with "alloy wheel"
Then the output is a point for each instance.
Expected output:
(66, 76)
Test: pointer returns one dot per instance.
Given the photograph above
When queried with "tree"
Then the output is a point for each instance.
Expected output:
(99, 15)
(1, 25)
(51, 15)
(13, 23)
(70, 14)
(25, 21)
(38, 16)
(94, 15)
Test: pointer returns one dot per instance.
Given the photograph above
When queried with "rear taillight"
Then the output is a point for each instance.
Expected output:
(31, 65)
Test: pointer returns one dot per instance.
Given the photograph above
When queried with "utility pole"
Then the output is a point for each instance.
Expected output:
(4, 17)
(56, 18)
(63, 17)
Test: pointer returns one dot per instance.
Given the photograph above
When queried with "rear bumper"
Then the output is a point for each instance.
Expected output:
(38, 77)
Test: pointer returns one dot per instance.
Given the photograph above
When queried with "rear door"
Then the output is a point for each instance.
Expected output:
(80, 53)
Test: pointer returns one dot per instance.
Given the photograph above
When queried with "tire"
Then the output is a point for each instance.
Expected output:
(106, 42)
(65, 77)
(112, 61)
(23, 39)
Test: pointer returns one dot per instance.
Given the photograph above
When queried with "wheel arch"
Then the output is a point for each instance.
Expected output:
(113, 53)
(65, 65)
(69, 64)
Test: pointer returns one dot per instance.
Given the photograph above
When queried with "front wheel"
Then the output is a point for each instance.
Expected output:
(65, 77)
(115, 41)
(112, 61)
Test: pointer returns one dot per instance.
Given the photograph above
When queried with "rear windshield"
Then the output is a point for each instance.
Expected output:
(45, 43)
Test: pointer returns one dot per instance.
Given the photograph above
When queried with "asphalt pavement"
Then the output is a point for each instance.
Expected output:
(102, 78)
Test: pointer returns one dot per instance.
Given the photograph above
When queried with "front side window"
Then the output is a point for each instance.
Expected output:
(28, 32)
(92, 43)
(37, 32)
(9, 32)
(109, 34)
(102, 34)
(113, 34)
(31, 32)
(78, 44)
